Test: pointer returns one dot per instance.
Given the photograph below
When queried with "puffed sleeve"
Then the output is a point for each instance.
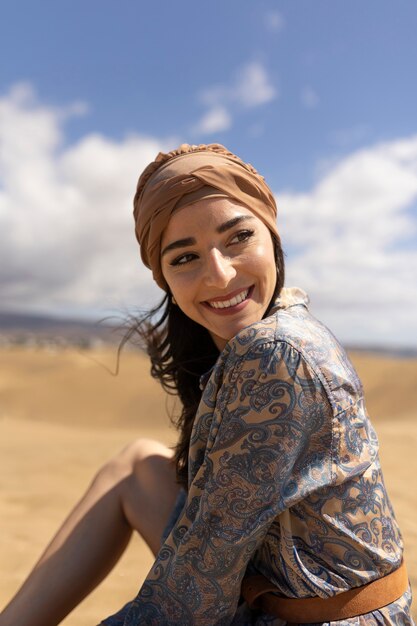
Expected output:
(261, 442)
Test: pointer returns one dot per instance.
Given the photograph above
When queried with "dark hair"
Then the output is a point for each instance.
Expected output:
(181, 351)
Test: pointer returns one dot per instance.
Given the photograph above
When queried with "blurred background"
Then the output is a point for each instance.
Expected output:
(320, 97)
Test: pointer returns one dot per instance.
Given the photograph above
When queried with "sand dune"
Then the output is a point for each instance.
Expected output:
(62, 414)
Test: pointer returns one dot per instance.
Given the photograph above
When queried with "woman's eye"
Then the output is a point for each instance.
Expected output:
(241, 236)
(183, 259)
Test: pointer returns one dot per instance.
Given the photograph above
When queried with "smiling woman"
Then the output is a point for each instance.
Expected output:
(224, 276)
(273, 508)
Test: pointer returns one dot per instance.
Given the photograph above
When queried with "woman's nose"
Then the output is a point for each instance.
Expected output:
(219, 270)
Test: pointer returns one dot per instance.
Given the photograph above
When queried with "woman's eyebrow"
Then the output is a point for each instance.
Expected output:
(190, 241)
(180, 243)
(233, 222)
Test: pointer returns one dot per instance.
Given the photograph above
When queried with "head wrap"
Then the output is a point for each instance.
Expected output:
(188, 175)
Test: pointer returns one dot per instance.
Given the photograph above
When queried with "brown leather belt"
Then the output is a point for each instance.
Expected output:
(257, 589)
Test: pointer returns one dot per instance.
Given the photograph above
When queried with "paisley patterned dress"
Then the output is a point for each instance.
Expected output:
(284, 480)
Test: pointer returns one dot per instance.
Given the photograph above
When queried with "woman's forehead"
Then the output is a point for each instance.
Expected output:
(206, 214)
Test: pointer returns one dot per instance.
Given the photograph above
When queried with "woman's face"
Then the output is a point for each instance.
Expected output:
(218, 260)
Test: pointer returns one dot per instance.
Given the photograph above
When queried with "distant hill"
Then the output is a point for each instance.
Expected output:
(401, 352)
(16, 327)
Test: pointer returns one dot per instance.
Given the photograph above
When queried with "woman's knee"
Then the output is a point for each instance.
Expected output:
(142, 473)
(146, 461)
(149, 489)
(150, 467)
(133, 463)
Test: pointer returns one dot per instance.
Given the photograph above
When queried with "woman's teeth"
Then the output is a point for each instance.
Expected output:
(224, 304)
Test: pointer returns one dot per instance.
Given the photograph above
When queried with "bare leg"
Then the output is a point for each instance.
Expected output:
(134, 491)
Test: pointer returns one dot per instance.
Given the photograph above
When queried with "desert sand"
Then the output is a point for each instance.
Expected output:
(63, 413)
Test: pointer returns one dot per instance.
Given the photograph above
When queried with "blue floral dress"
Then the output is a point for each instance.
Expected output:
(284, 480)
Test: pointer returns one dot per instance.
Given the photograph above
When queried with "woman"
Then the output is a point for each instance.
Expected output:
(281, 514)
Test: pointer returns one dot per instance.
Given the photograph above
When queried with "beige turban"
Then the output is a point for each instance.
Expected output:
(185, 176)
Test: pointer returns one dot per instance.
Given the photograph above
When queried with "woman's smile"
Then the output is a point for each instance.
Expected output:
(232, 303)
(218, 260)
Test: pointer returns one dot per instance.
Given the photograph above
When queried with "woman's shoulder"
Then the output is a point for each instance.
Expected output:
(292, 334)
(289, 323)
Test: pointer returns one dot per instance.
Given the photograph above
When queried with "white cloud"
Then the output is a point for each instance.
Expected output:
(352, 243)
(252, 87)
(309, 98)
(66, 227)
(67, 242)
(217, 119)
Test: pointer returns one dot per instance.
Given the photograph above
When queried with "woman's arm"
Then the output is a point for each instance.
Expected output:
(251, 457)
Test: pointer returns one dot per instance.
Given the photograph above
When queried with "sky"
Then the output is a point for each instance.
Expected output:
(321, 97)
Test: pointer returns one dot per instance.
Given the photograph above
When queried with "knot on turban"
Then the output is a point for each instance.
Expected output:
(188, 175)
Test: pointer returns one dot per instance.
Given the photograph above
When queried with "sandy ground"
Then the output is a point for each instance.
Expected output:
(62, 414)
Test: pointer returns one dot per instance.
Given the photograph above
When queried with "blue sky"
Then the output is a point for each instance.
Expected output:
(320, 96)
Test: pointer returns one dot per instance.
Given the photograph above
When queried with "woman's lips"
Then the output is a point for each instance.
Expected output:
(230, 304)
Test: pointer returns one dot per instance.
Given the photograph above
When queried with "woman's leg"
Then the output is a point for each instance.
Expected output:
(134, 491)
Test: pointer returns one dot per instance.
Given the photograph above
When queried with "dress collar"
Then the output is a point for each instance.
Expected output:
(290, 296)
